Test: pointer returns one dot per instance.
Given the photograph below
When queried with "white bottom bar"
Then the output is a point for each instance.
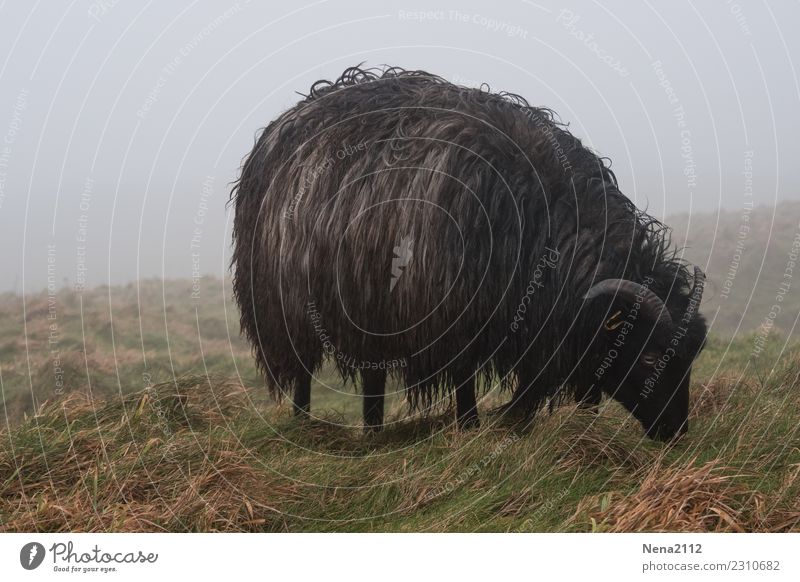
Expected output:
(389, 557)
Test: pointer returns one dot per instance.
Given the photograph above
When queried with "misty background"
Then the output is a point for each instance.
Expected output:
(122, 124)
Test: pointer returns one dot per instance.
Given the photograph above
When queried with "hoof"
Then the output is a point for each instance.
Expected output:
(469, 422)
(302, 412)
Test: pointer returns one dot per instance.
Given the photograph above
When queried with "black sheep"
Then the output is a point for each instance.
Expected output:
(396, 223)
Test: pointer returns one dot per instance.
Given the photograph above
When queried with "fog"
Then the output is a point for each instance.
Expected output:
(123, 123)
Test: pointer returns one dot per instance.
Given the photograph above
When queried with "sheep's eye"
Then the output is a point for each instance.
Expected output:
(649, 359)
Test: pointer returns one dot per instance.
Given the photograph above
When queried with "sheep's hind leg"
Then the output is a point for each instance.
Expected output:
(301, 399)
(374, 387)
(466, 407)
(526, 399)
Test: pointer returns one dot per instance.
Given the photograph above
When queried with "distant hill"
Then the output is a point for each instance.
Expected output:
(752, 260)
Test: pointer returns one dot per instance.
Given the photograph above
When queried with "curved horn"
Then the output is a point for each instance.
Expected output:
(652, 306)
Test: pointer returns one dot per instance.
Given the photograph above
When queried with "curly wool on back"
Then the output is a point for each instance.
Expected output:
(483, 184)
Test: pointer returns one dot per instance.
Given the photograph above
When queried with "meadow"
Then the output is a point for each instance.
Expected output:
(138, 408)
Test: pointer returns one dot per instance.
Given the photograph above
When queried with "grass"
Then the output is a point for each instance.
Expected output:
(188, 442)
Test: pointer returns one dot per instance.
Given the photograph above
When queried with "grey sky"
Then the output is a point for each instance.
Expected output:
(121, 124)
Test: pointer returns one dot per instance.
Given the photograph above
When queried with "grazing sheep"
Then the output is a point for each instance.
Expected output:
(396, 223)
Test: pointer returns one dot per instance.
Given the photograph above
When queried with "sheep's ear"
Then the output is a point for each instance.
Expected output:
(614, 321)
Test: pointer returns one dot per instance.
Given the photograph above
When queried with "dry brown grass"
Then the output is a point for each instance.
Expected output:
(684, 498)
(603, 444)
(168, 459)
(146, 464)
(712, 397)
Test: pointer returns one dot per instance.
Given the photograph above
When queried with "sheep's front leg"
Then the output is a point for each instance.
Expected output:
(374, 387)
(301, 399)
